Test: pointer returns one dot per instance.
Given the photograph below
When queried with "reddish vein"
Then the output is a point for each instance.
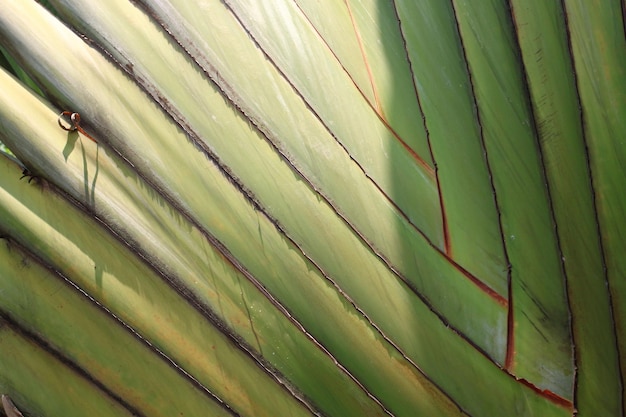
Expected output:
(444, 219)
(357, 33)
(428, 169)
(510, 339)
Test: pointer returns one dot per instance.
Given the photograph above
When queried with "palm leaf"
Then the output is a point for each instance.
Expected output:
(313, 208)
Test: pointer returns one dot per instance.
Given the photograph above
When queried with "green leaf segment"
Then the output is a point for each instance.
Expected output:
(329, 208)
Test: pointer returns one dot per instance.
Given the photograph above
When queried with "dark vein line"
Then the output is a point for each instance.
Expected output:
(273, 142)
(445, 253)
(187, 294)
(271, 139)
(192, 135)
(547, 394)
(532, 322)
(544, 176)
(129, 70)
(248, 195)
(595, 199)
(444, 219)
(420, 161)
(7, 319)
(510, 334)
(510, 324)
(68, 362)
(623, 6)
(250, 320)
(263, 131)
(195, 382)
(229, 92)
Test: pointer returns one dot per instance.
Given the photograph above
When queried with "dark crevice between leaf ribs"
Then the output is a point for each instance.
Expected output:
(237, 103)
(444, 219)
(232, 96)
(533, 121)
(418, 159)
(623, 5)
(229, 92)
(447, 252)
(510, 317)
(510, 353)
(6, 319)
(45, 345)
(594, 196)
(194, 137)
(429, 170)
(510, 326)
(180, 288)
(222, 249)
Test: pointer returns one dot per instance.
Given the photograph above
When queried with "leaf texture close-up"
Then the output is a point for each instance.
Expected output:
(328, 208)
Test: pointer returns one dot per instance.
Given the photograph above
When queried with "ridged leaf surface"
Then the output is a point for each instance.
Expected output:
(332, 208)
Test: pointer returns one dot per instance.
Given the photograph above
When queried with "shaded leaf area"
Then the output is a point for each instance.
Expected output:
(314, 207)
(568, 157)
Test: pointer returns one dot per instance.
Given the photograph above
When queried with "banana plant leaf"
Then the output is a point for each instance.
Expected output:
(313, 208)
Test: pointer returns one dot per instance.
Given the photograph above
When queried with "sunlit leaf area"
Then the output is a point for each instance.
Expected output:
(334, 208)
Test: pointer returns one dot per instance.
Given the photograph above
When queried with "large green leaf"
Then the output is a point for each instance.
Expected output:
(296, 207)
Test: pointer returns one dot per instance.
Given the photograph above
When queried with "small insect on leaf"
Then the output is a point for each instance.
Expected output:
(74, 123)
(27, 174)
